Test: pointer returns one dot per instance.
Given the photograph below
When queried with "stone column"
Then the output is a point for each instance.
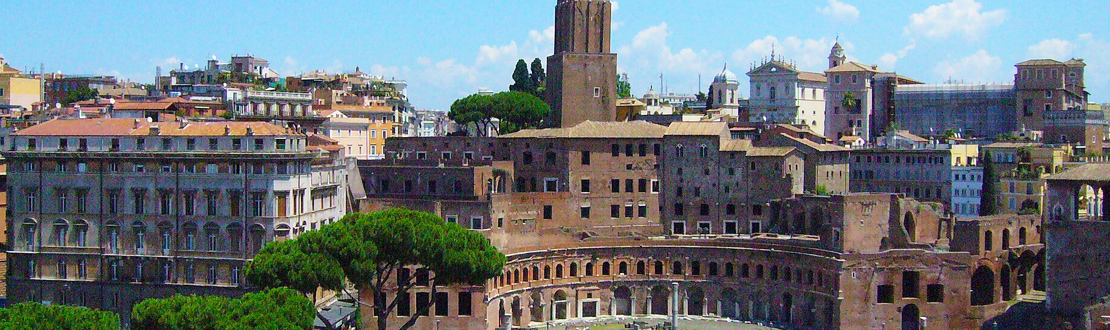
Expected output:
(632, 305)
(719, 312)
(649, 305)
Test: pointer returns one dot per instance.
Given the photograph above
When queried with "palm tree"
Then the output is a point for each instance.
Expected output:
(849, 102)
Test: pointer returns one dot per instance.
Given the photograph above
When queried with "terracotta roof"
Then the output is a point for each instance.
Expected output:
(850, 138)
(1012, 144)
(1042, 61)
(592, 129)
(736, 145)
(708, 128)
(769, 151)
(812, 76)
(129, 127)
(854, 67)
(161, 106)
(911, 136)
(1088, 172)
(814, 145)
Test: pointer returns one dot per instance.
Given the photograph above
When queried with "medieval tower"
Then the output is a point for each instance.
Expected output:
(582, 74)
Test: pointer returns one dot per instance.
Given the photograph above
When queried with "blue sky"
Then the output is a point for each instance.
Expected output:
(449, 49)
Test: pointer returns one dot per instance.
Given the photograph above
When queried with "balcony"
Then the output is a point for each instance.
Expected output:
(306, 97)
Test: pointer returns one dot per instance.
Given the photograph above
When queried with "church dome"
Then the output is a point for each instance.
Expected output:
(727, 77)
(651, 93)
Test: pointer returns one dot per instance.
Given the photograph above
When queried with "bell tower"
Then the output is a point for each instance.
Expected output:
(582, 74)
(836, 56)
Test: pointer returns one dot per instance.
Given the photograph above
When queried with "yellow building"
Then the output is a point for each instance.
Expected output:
(17, 89)
(362, 130)
(1021, 169)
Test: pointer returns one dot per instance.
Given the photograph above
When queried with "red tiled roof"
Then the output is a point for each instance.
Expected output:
(129, 127)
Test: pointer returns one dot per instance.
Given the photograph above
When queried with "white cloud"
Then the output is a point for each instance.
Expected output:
(959, 17)
(889, 61)
(650, 48)
(494, 54)
(840, 11)
(616, 6)
(1053, 49)
(543, 37)
(809, 54)
(977, 67)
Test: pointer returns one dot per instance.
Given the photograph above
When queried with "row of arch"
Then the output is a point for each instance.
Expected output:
(514, 275)
(1007, 239)
(694, 299)
(1016, 276)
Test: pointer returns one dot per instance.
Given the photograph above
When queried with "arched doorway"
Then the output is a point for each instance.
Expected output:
(787, 308)
(622, 301)
(659, 297)
(728, 304)
(502, 317)
(516, 311)
(559, 302)
(695, 301)
(982, 286)
(1004, 282)
(911, 317)
(535, 301)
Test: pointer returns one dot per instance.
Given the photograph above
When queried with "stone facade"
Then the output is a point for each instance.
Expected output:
(108, 212)
(780, 93)
(582, 74)
(1043, 86)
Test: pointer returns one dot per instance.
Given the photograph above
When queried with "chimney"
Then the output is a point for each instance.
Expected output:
(250, 130)
(227, 129)
(184, 122)
(155, 130)
(136, 123)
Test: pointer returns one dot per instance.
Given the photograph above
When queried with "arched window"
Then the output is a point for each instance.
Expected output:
(81, 233)
(988, 241)
(559, 271)
(658, 267)
(165, 233)
(189, 230)
(1006, 238)
(257, 237)
(61, 231)
(573, 269)
(546, 272)
(589, 269)
(622, 268)
(139, 229)
(680, 151)
(640, 268)
(212, 236)
(605, 268)
(676, 268)
(535, 273)
(1021, 236)
(703, 151)
(235, 237)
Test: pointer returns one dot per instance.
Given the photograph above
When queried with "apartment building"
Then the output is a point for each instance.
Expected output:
(108, 212)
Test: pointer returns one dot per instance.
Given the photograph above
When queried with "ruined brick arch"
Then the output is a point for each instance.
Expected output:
(982, 286)
(909, 224)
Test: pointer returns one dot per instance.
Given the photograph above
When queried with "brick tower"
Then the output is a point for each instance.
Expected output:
(582, 74)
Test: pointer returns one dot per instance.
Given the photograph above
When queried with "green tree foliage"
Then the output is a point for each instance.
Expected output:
(80, 94)
(278, 308)
(539, 78)
(286, 263)
(990, 177)
(519, 111)
(515, 110)
(624, 88)
(370, 248)
(709, 98)
(522, 80)
(28, 316)
(850, 102)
